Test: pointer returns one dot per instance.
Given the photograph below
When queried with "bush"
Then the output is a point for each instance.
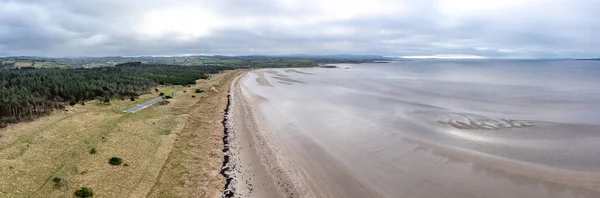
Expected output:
(193, 96)
(72, 103)
(163, 102)
(115, 161)
(156, 90)
(199, 91)
(84, 192)
(107, 100)
(58, 182)
(93, 151)
(161, 94)
(168, 97)
(132, 98)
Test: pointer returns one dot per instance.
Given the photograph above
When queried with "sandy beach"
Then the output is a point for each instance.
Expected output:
(289, 135)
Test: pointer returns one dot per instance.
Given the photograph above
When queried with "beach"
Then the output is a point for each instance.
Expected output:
(389, 131)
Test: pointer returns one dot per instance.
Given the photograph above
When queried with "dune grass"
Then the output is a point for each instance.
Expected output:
(59, 146)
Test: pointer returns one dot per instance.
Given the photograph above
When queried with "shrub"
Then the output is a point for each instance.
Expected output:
(84, 192)
(115, 161)
(107, 100)
(163, 102)
(168, 97)
(156, 90)
(132, 98)
(93, 151)
(193, 96)
(199, 91)
(72, 103)
(58, 182)
(161, 94)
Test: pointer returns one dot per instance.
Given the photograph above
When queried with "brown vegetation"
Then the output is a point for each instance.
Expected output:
(60, 146)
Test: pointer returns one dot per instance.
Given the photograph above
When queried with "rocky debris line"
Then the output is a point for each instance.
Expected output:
(226, 170)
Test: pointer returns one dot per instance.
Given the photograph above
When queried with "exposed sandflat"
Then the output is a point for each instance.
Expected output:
(323, 138)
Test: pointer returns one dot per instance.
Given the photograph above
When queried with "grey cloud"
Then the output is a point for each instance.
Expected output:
(101, 28)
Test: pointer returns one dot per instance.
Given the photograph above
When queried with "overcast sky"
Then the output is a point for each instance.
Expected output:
(507, 28)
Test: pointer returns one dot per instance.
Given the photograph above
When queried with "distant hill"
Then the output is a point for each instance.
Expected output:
(338, 56)
(196, 60)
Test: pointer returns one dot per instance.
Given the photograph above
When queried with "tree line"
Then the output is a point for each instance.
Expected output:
(28, 93)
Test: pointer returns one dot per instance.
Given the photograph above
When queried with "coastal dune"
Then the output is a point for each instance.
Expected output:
(319, 132)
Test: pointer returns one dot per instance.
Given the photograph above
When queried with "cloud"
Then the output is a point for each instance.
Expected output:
(510, 28)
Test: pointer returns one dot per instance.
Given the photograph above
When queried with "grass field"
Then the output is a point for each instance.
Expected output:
(210, 61)
(23, 64)
(169, 90)
(224, 62)
(36, 64)
(93, 65)
(170, 150)
(232, 62)
(49, 65)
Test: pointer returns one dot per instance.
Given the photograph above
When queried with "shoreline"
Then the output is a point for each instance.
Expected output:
(246, 153)
(261, 164)
(259, 160)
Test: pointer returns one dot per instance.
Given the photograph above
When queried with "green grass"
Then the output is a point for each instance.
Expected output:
(232, 62)
(224, 62)
(168, 91)
(99, 65)
(49, 65)
(25, 138)
(165, 132)
(196, 62)
(210, 61)
(23, 64)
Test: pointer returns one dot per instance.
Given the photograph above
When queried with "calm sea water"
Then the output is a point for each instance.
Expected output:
(559, 91)
(529, 110)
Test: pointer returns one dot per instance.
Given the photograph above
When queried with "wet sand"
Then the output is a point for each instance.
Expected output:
(321, 133)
